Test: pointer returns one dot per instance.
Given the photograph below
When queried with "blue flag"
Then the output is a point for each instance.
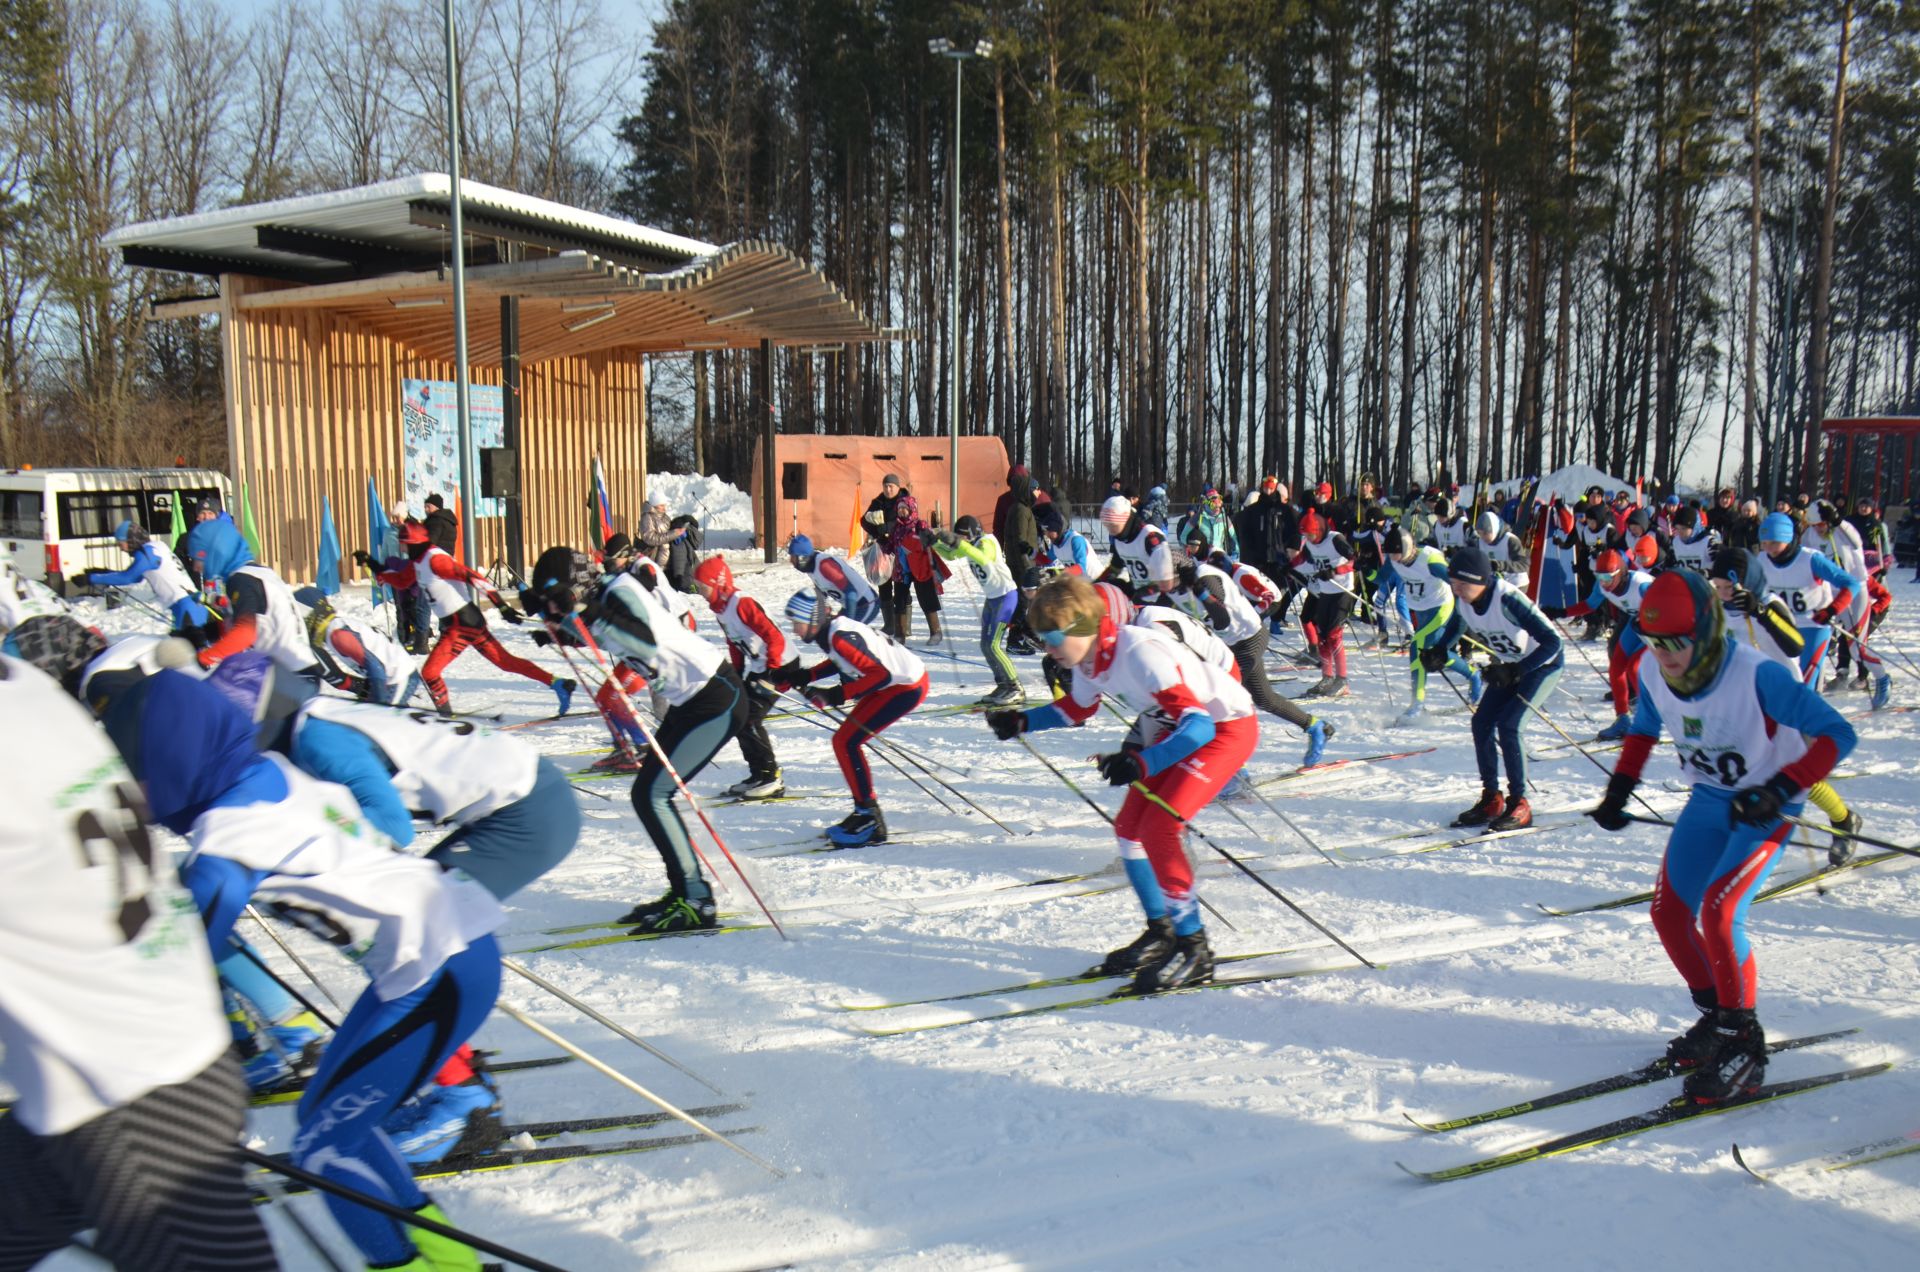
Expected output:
(378, 528)
(329, 575)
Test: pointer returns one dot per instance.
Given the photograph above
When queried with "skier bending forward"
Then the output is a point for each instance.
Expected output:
(1204, 731)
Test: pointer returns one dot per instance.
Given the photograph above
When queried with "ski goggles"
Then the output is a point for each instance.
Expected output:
(1081, 627)
(1668, 644)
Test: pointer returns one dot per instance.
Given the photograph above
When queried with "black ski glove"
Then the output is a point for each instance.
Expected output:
(828, 696)
(509, 613)
(1744, 602)
(1325, 573)
(361, 559)
(1188, 574)
(1121, 767)
(1612, 812)
(541, 638)
(1761, 805)
(1007, 725)
(1434, 657)
(1500, 675)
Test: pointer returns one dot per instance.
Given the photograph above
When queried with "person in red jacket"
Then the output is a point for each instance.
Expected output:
(762, 655)
(450, 588)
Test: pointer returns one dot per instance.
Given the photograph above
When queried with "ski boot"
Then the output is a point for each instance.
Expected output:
(672, 913)
(1882, 691)
(1518, 815)
(442, 1254)
(1336, 687)
(1151, 946)
(765, 786)
(1736, 1062)
(1319, 687)
(1411, 715)
(563, 690)
(622, 759)
(1003, 696)
(1491, 805)
(1189, 961)
(862, 827)
(286, 1052)
(1239, 788)
(1837, 684)
(1693, 1046)
(448, 1121)
(1615, 731)
(1319, 733)
(1840, 847)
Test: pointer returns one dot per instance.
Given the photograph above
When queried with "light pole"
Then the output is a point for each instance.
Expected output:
(462, 407)
(942, 47)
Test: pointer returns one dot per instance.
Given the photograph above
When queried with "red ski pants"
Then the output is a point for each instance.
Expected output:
(872, 713)
(456, 640)
(1143, 826)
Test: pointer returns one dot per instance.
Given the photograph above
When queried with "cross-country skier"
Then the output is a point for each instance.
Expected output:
(1503, 547)
(1840, 542)
(451, 588)
(1207, 593)
(258, 826)
(1450, 526)
(1326, 558)
(1756, 617)
(263, 616)
(1204, 731)
(1527, 658)
(1141, 552)
(1063, 549)
(759, 650)
(127, 1107)
(1617, 589)
(357, 657)
(1422, 574)
(1813, 585)
(999, 596)
(836, 580)
(164, 577)
(1750, 740)
(883, 679)
(706, 707)
(1694, 541)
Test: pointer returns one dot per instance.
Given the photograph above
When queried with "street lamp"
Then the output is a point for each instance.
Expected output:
(943, 47)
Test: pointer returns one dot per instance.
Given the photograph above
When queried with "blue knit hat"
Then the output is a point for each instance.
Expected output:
(801, 607)
(1469, 564)
(1777, 527)
(800, 546)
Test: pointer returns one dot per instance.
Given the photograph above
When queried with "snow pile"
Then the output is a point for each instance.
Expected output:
(1569, 484)
(719, 505)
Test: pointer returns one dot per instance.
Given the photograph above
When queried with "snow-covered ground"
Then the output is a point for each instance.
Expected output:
(1235, 1128)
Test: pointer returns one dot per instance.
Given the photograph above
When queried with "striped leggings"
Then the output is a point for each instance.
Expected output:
(159, 1180)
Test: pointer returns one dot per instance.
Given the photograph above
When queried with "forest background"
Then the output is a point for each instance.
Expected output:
(1199, 240)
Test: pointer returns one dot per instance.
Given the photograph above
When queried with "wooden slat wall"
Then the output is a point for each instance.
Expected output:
(314, 409)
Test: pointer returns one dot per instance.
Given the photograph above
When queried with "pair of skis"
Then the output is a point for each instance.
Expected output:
(1679, 1109)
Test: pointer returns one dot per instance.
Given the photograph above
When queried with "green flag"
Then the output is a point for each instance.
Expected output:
(247, 532)
(179, 527)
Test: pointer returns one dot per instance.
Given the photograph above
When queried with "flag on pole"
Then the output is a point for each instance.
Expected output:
(247, 530)
(327, 576)
(177, 532)
(602, 526)
(378, 528)
(853, 527)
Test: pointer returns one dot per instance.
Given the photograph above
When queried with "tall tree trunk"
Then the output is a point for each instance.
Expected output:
(1817, 336)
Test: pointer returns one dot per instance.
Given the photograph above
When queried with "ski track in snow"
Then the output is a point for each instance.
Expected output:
(1243, 1128)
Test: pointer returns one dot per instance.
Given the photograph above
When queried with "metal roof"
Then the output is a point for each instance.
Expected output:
(383, 228)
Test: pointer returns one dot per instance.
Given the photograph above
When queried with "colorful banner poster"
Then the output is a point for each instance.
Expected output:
(430, 432)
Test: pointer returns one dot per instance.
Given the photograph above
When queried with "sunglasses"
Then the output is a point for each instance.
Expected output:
(1668, 644)
(1055, 639)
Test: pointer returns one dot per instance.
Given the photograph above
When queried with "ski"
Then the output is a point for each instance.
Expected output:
(1673, 1111)
(1330, 765)
(623, 938)
(617, 1122)
(1022, 987)
(1768, 893)
(291, 1093)
(819, 843)
(1645, 1075)
(547, 1154)
(1116, 996)
(1845, 1159)
(1462, 841)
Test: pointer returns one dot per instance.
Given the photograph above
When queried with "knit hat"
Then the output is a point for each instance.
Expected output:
(801, 606)
(800, 546)
(892, 479)
(1682, 603)
(1469, 565)
(1777, 528)
(1115, 513)
(1312, 524)
(1738, 566)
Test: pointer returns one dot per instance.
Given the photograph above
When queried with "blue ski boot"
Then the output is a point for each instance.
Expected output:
(447, 1121)
(1882, 691)
(1615, 731)
(864, 826)
(1319, 733)
(563, 690)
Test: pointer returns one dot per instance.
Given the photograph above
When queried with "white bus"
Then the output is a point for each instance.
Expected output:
(55, 522)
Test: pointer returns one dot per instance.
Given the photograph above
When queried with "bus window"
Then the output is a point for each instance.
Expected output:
(20, 515)
(92, 514)
(160, 508)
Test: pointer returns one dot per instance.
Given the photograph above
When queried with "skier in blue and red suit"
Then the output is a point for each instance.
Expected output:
(1750, 739)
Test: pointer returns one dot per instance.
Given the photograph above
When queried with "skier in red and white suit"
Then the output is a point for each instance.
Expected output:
(1205, 732)
(450, 588)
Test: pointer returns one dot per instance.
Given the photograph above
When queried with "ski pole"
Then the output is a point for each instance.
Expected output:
(580, 674)
(887, 759)
(601, 1066)
(298, 962)
(1868, 840)
(933, 777)
(614, 1025)
(1289, 823)
(300, 1225)
(653, 744)
(281, 981)
(320, 1183)
(1108, 818)
(1253, 874)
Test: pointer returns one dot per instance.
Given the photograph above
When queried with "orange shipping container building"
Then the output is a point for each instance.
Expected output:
(824, 483)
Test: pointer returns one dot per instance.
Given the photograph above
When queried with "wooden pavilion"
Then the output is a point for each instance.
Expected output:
(327, 303)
